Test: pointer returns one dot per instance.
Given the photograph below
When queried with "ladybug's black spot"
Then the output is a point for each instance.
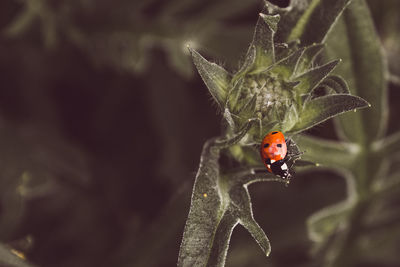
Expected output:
(266, 145)
(274, 132)
(279, 145)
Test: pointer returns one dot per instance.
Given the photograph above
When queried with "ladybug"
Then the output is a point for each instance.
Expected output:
(273, 153)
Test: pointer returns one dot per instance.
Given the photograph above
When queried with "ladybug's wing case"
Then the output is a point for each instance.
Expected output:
(267, 163)
(273, 151)
(274, 146)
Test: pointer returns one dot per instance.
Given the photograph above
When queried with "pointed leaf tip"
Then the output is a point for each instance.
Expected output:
(311, 79)
(216, 78)
(263, 44)
(308, 56)
(257, 233)
(320, 109)
(287, 66)
(271, 20)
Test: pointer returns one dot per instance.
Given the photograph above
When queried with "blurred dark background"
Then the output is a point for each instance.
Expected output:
(102, 120)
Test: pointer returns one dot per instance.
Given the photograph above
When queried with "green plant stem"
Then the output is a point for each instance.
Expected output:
(347, 253)
(365, 173)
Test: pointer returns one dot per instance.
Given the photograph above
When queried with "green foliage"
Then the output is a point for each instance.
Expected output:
(363, 159)
(102, 121)
(359, 39)
(278, 92)
(220, 201)
(322, 108)
(124, 38)
(215, 77)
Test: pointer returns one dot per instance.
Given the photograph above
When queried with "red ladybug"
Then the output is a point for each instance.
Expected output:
(273, 153)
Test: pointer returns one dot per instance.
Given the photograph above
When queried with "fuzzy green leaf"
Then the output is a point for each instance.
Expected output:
(286, 67)
(323, 223)
(388, 145)
(272, 21)
(327, 153)
(247, 64)
(290, 119)
(206, 211)
(229, 119)
(221, 240)
(355, 40)
(319, 109)
(263, 42)
(248, 110)
(219, 202)
(216, 78)
(308, 56)
(336, 83)
(311, 79)
(316, 21)
(233, 102)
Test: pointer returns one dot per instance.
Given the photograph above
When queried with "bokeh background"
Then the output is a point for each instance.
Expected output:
(102, 120)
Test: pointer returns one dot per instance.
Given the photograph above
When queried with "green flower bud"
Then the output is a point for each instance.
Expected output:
(276, 89)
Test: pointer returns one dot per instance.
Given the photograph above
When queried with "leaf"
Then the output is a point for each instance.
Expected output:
(327, 153)
(219, 203)
(271, 21)
(311, 79)
(319, 109)
(355, 40)
(305, 163)
(308, 56)
(388, 145)
(247, 64)
(215, 77)
(322, 224)
(336, 83)
(388, 187)
(234, 96)
(206, 211)
(238, 211)
(9, 259)
(222, 237)
(229, 119)
(286, 67)
(263, 43)
(290, 119)
(248, 109)
(316, 21)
